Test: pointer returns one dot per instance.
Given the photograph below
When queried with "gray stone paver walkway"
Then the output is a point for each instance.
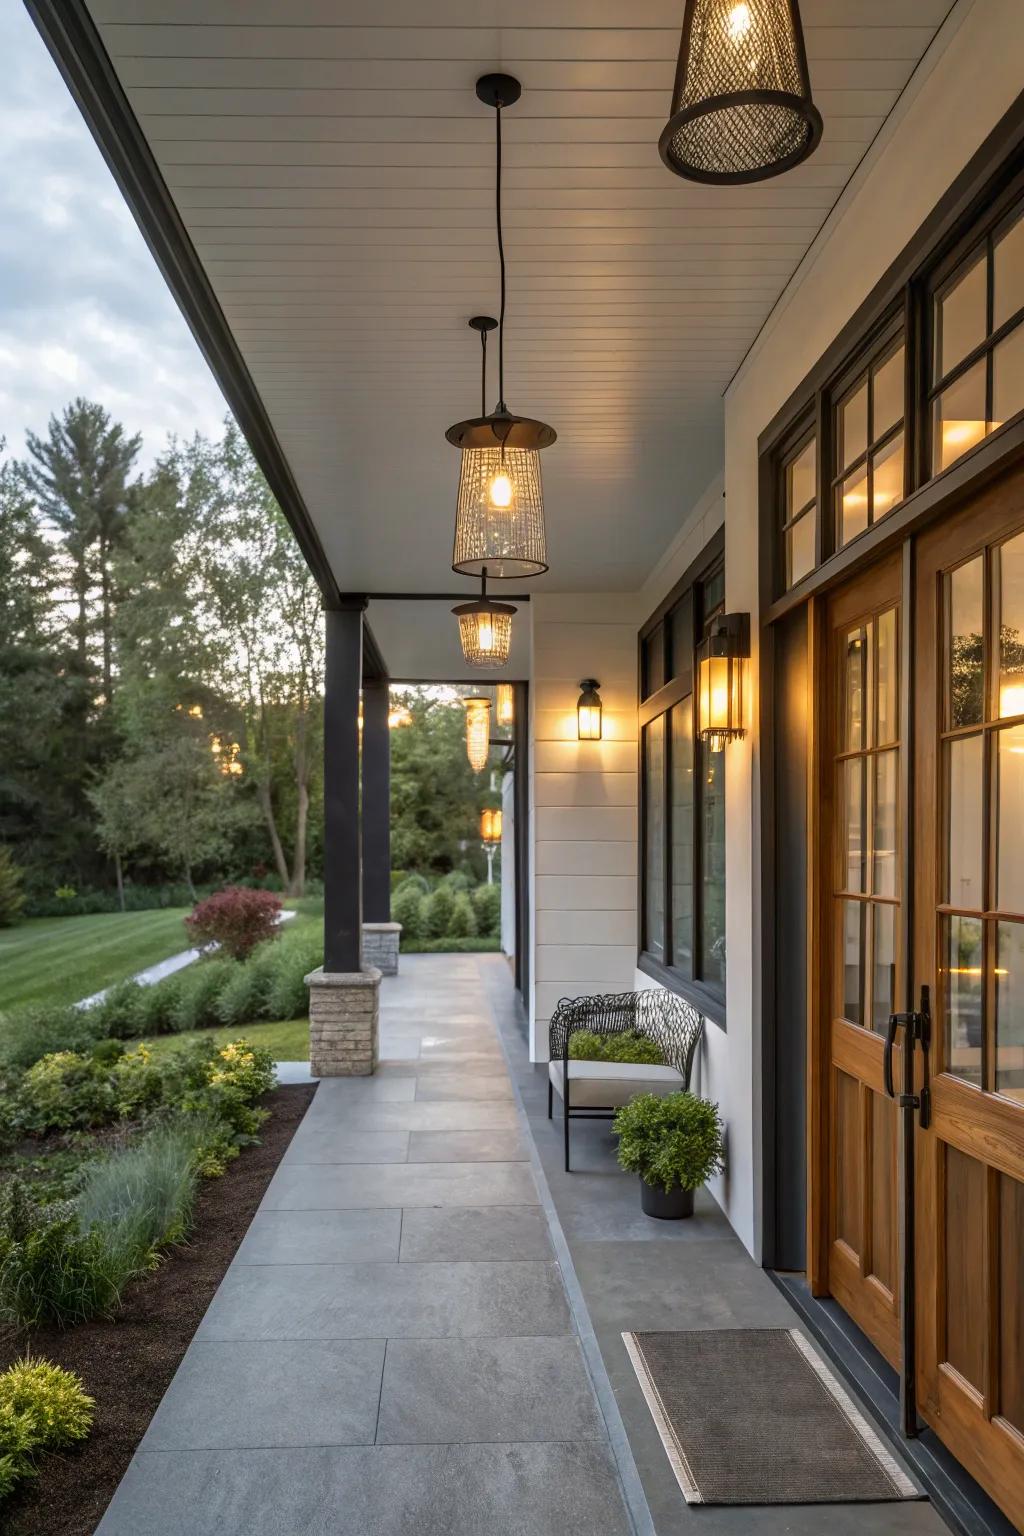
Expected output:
(391, 1352)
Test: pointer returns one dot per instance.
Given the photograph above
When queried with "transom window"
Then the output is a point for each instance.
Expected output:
(800, 509)
(869, 440)
(978, 349)
(939, 369)
(682, 835)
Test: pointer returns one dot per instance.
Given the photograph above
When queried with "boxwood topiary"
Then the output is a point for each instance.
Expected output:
(672, 1140)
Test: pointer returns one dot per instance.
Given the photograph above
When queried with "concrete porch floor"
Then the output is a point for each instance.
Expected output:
(420, 1331)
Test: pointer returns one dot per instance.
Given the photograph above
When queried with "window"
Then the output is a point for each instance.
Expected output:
(682, 939)
(938, 368)
(800, 510)
(869, 444)
(978, 345)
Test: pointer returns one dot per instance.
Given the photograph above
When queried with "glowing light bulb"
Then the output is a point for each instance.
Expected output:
(739, 22)
(501, 493)
(485, 632)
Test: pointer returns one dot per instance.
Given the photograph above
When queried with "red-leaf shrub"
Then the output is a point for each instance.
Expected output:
(236, 919)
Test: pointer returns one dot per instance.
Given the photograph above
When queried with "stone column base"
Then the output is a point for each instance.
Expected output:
(380, 946)
(343, 1022)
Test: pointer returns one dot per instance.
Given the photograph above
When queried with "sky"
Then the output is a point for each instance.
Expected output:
(83, 308)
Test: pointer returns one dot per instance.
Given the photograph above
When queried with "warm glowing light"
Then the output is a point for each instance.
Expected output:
(398, 715)
(501, 492)
(739, 22)
(589, 711)
(490, 826)
(478, 732)
(226, 754)
(506, 704)
(720, 683)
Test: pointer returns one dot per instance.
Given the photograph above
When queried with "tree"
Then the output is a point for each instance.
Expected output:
(80, 478)
(435, 795)
(118, 822)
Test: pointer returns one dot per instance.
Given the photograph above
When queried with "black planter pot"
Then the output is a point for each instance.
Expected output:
(667, 1207)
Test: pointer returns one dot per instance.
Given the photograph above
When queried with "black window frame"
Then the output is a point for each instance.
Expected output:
(680, 685)
(862, 370)
(978, 208)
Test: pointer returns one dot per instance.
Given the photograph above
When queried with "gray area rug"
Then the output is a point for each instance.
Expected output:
(755, 1416)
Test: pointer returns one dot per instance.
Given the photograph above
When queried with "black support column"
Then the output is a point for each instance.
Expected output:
(343, 893)
(376, 803)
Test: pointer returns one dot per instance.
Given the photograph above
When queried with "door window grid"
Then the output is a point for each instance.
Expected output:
(867, 780)
(978, 345)
(868, 431)
(981, 910)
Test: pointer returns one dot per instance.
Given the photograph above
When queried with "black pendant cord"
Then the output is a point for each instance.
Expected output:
(501, 262)
(483, 372)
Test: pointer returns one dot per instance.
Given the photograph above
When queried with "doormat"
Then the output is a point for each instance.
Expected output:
(755, 1416)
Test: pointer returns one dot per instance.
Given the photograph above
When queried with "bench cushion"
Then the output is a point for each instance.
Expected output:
(609, 1084)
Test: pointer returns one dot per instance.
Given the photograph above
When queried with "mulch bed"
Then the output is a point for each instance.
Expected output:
(127, 1364)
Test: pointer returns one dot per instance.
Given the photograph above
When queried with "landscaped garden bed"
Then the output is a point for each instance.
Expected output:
(126, 1362)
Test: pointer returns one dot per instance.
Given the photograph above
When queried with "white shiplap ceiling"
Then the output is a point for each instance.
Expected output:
(334, 170)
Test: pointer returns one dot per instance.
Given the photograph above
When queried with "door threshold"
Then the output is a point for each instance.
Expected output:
(961, 1502)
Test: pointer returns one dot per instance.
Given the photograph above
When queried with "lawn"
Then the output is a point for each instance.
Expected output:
(286, 1039)
(59, 960)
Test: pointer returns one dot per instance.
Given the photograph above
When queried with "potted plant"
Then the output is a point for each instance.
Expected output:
(675, 1144)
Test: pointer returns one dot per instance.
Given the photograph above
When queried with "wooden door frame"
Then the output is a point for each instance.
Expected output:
(820, 900)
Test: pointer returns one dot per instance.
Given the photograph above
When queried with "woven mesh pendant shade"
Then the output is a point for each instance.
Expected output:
(741, 106)
(499, 520)
(486, 634)
(478, 732)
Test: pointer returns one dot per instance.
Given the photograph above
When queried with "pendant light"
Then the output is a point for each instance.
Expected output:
(741, 103)
(499, 520)
(506, 704)
(485, 629)
(478, 731)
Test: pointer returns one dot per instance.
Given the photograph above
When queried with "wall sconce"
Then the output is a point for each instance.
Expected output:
(490, 826)
(588, 711)
(720, 680)
(506, 704)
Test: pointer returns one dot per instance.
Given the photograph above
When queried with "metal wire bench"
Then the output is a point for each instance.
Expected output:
(597, 1089)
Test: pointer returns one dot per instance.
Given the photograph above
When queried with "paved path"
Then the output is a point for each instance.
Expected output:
(155, 973)
(392, 1352)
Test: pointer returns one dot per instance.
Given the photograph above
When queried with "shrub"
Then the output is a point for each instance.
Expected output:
(672, 1140)
(463, 919)
(456, 881)
(241, 997)
(237, 919)
(11, 898)
(449, 946)
(42, 1408)
(193, 1004)
(64, 1091)
(136, 1081)
(141, 1199)
(438, 909)
(487, 906)
(405, 909)
(32, 1033)
(119, 1012)
(287, 994)
(628, 1046)
(50, 1271)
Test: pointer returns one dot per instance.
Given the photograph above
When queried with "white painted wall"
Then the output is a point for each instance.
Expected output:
(508, 865)
(583, 804)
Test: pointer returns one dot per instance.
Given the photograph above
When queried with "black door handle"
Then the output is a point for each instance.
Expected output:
(890, 1041)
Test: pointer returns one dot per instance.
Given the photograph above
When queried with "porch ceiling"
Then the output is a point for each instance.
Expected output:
(334, 171)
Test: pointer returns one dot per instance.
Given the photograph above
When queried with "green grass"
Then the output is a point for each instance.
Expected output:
(285, 1039)
(59, 960)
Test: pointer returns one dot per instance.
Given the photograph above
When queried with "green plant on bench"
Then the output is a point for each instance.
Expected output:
(627, 1047)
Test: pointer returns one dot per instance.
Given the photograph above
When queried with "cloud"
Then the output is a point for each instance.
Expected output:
(83, 308)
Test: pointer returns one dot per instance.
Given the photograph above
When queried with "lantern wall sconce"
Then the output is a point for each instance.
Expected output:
(478, 732)
(490, 826)
(741, 104)
(505, 712)
(722, 657)
(589, 710)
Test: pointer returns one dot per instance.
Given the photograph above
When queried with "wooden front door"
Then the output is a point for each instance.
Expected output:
(969, 948)
(860, 934)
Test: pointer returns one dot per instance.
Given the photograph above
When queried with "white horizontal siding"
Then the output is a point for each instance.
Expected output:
(584, 804)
